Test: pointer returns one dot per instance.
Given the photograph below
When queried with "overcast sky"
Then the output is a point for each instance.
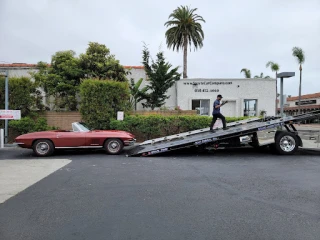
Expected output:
(238, 34)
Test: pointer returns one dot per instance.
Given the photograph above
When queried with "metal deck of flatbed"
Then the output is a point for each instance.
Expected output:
(204, 136)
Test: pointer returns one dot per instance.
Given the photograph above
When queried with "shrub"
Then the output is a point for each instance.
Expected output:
(27, 125)
(23, 95)
(100, 101)
(153, 126)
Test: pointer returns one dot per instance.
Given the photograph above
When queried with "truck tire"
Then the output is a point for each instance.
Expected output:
(286, 143)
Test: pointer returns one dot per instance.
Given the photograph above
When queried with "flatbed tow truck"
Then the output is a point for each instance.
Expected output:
(279, 134)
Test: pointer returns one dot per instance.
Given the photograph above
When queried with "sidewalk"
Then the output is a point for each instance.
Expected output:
(17, 175)
(10, 145)
(314, 127)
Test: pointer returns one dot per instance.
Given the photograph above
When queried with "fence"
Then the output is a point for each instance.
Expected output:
(62, 120)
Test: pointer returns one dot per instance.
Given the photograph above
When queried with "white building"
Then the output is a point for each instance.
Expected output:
(244, 96)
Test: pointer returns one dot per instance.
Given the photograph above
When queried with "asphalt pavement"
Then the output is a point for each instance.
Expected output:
(229, 194)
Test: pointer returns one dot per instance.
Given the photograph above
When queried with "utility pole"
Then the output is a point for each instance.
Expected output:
(6, 107)
(6, 102)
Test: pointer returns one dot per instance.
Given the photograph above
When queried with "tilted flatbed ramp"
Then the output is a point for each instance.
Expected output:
(204, 136)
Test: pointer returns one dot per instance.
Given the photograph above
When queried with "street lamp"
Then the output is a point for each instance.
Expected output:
(282, 76)
(6, 74)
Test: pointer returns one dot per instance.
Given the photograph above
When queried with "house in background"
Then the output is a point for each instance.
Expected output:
(246, 97)
(309, 103)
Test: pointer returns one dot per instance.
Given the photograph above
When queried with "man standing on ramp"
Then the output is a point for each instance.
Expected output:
(216, 113)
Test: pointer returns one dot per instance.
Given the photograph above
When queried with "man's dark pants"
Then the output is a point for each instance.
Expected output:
(214, 119)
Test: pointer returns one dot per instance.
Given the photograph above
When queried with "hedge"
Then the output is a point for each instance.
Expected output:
(148, 127)
(23, 95)
(100, 101)
(28, 124)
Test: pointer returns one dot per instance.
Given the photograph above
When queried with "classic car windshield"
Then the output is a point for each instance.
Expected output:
(79, 127)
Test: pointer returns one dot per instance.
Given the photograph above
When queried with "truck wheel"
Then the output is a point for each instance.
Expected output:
(286, 143)
(43, 148)
(113, 146)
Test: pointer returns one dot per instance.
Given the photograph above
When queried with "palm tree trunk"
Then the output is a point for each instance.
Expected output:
(299, 103)
(185, 52)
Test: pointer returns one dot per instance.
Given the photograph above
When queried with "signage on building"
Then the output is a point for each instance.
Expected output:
(206, 83)
(10, 114)
(306, 102)
(206, 90)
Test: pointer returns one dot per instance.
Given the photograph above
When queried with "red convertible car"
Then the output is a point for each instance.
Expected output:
(45, 143)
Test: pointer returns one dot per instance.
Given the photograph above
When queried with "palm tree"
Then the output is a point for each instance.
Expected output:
(185, 28)
(299, 54)
(274, 68)
(136, 94)
(261, 76)
(247, 72)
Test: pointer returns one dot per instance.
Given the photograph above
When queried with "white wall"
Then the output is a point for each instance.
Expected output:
(20, 72)
(233, 90)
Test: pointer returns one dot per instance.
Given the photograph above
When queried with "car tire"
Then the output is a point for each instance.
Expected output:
(43, 148)
(113, 146)
(286, 143)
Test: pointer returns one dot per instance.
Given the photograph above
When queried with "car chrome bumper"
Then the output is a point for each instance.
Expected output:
(130, 142)
(20, 144)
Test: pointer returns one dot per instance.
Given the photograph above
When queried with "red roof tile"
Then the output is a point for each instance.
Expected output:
(134, 67)
(302, 107)
(307, 96)
(26, 65)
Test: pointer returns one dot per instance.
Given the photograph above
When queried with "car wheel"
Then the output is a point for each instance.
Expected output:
(43, 148)
(286, 143)
(113, 146)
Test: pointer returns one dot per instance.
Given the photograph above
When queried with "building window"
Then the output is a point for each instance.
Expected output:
(250, 108)
(202, 106)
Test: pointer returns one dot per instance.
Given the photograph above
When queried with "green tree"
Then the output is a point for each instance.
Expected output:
(261, 76)
(99, 63)
(299, 55)
(23, 95)
(61, 79)
(136, 94)
(100, 101)
(275, 67)
(161, 78)
(185, 29)
(247, 72)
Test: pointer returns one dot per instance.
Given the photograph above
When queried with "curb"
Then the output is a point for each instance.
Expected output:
(11, 145)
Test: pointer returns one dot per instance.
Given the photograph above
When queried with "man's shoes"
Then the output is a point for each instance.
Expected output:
(226, 128)
(213, 131)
